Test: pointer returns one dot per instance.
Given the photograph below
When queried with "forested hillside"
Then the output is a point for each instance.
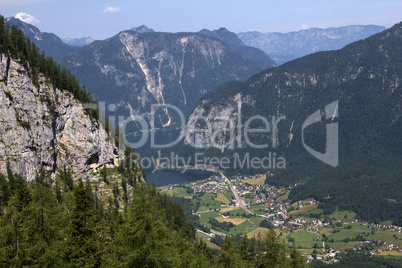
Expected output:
(363, 80)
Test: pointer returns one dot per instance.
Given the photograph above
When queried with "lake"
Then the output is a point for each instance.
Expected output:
(165, 177)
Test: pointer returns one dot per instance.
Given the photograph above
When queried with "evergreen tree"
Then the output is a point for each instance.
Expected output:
(229, 255)
(245, 248)
(5, 192)
(85, 245)
(10, 177)
(144, 240)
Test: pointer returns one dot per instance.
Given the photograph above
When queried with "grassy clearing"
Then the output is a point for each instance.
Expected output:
(255, 232)
(358, 227)
(282, 198)
(236, 212)
(229, 195)
(229, 209)
(209, 205)
(301, 235)
(221, 198)
(302, 238)
(235, 221)
(343, 234)
(340, 215)
(258, 209)
(256, 181)
(391, 253)
(204, 217)
(246, 227)
(177, 191)
(306, 210)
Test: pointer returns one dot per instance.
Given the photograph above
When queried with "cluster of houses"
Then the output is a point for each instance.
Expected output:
(386, 227)
(214, 184)
(378, 243)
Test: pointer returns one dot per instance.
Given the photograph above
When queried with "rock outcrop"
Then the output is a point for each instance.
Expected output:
(46, 127)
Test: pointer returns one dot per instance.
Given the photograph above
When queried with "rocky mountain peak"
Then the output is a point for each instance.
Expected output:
(142, 29)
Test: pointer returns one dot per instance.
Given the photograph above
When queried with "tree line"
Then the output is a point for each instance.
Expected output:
(14, 44)
(47, 223)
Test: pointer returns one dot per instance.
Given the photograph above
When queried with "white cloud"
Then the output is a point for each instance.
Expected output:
(304, 26)
(28, 18)
(111, 10)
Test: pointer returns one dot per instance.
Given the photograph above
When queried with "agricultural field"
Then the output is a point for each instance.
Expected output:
(235, 221)
(223, 199)
(256, 181)
(246, 227)
(204, 217)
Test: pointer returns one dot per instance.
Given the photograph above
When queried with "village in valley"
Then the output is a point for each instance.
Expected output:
(248, 205)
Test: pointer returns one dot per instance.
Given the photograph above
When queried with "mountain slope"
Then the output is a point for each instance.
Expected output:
(363, 81)
(50, 43)
(283, 47)
(135, 70)
(237, 46)
(46, 126)
(43, 125)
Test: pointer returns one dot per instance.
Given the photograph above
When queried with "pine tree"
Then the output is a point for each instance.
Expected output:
(245, 248)
(10, 177)
(85, 249)
(229, 255)
(5, 192)
(144, 240)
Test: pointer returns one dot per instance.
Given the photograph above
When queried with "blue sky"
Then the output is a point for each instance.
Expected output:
(104, 18)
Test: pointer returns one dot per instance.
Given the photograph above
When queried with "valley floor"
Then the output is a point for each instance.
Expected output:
(246, 205)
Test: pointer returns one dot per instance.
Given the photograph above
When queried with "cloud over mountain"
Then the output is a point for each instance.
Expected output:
(27, 18)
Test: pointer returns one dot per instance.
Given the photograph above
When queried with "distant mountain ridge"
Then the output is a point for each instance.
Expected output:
(48, 42)
(78, 42)
(237, 46)
(283, 47)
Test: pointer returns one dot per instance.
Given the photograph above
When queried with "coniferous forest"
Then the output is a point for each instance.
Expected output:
(46, 223)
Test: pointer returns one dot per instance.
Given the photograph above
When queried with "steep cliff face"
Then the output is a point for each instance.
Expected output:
(46, 126)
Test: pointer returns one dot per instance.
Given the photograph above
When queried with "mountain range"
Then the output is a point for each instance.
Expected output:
(283, 47)
(139, 67)
(354, 92)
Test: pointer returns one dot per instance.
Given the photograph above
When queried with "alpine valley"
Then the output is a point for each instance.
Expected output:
(298, 152)
(357, 87)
